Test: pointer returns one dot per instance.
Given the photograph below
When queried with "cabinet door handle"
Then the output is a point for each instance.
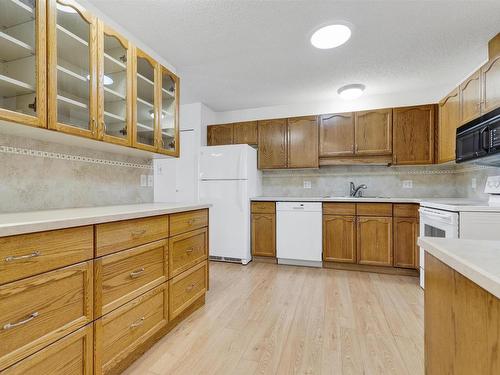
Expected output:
(92, 126)
(190, 287)
(21, 322)
(13, 258)
(138, 322)
(135, 274)
(190, 250)
(191, 221)
(138, 233)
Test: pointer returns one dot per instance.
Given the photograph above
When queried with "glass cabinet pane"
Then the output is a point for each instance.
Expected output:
(145, 102)
(168, 109)
(115, 87)
(73, 67)
(17, 56)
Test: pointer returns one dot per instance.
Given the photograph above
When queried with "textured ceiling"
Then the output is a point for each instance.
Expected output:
(235, 54)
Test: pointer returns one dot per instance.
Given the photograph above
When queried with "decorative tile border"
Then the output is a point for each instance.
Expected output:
(69, 157)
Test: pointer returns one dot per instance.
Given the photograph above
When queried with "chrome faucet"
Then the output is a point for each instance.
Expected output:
(355, 191)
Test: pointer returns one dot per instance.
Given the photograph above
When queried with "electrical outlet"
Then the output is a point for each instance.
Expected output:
(474, 183)
(144, 180)
(408, 184)
(150, 180)
(307, 184)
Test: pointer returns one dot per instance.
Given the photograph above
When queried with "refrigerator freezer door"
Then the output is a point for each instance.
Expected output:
(229, 218)
(223, 162)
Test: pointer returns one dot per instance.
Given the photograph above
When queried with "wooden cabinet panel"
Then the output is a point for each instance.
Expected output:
(339, 238)
(121, 235)
(348, 209)
(449, 120)
(374, 240)
(264, 235)
(220, 135)
(470, 98)
(374, 209)
(187, 250)
(123, 276)
(120, 332)
(490, 77)
(245, 132)
(405, 242)
(406, 210)
(373, 132)
(186, 288)
(414, 135)
(168, 135)
(30, 254)
(263, 207)
(272, 144)
(336, 135)
(72, 354)
(39, 310)
(183, 222)
(303, 142)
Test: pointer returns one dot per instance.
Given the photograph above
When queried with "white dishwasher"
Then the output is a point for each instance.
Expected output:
(299, 233)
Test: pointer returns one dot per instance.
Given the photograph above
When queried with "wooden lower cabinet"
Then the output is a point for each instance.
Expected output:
(72, 354)
(186, 288)
(263, 235)
(120, 332)
(405, 242)
(374, 240)
(339, 238)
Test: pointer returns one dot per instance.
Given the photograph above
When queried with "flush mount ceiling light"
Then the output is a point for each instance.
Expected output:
(330, 36)
(351, 91)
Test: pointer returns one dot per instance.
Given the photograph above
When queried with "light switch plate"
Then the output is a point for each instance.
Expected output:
(150, 180)
(408, 184)
(144, 180)
(307, 184)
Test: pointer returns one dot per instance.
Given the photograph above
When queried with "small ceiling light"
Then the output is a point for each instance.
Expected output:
(330, 36)
(66, 8)
(353, 91)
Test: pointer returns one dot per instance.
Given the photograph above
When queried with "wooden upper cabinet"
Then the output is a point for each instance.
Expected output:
(339, 238)
(245, 133)
(168, 102)
(414, 135)
(23, 62)
(470, 98)
(373, 132)
(220, 135)
(115, 89)
(303, 142)
(272, 144)
(72, 68)
(374, 240)
(449, 120)
(336, 135)
(490, 77)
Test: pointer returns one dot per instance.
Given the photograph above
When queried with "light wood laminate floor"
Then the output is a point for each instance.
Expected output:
(269, 319)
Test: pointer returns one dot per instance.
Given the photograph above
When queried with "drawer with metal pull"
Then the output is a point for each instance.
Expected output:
(186, 250)
(31, 254)
(39, 310)
(186, 288)
(121, 235)
(183, 222)
(123, 276)
(120, 332)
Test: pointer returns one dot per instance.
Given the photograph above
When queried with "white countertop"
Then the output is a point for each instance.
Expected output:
(37, 221)
(477, 260)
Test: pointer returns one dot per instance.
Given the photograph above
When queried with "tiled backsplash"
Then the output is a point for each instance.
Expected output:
(427, 181)
(41, 175)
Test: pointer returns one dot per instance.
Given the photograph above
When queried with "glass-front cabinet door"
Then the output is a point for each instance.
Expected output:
(146, 102)
(22, 61)
(72, 67)
(168, 134)
(114, 87)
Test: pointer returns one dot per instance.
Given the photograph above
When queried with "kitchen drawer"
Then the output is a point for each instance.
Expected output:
(406, 210)
(263, 207)
(121, 235)
(186, 250)
(374, 209)
(186, 221)
(123, 276)
(72, 354)
(30, 254)
(120, 332)
(186, 288)
(347, 209)
(37, 311)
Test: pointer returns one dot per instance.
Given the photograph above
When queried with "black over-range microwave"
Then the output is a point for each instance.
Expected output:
(479, 140)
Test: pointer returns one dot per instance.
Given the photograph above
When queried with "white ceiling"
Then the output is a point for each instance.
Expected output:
(234, 54)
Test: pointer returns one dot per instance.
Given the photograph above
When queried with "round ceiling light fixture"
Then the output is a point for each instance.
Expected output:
(330, 36)
(353, 91)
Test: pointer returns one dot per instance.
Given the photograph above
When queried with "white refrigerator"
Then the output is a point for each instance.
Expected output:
(228, 178)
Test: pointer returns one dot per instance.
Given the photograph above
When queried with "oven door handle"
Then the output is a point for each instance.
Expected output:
(484, 139)
(435, 214)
